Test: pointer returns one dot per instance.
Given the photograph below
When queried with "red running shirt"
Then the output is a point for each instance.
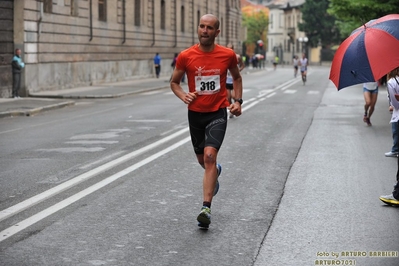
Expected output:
(206, 74)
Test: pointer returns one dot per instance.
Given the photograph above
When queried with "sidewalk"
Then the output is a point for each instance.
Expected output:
(47, 100)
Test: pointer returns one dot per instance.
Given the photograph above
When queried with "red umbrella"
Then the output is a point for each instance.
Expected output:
(369, 53)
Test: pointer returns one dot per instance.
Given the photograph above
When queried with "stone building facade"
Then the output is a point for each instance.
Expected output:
(70, 43)
(283, 33)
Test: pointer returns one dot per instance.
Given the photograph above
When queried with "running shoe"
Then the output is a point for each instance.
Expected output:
(204, 218)
(391, 154)
(219, 170)
(390, 200)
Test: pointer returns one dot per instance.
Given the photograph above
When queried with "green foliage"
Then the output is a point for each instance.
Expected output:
(318, 24)
(256, 26)
(351, 14)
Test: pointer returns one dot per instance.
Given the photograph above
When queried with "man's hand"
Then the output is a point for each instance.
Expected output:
(190, 96)
(235, 108)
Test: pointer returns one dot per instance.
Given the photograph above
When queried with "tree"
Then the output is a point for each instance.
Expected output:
(256, 26)
(317, 24)
(350, 14)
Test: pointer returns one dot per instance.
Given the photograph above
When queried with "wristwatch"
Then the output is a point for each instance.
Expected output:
(239, 100)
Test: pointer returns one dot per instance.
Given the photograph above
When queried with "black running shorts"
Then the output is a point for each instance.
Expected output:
(207, 129)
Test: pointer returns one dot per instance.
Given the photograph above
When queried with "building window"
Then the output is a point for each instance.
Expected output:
(221, 27)
(182, 18)
(271, 21)
(48, 6)
(75, 8)
(102, 10)
(163, 12)
(198, 17)
(137, 13)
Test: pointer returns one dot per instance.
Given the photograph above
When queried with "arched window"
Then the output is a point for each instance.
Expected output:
(137, 12)
(163, 14)
(182, 22)
(75, 8)
(221, 27)
(198, 17)
(48, 6)
(102, 10)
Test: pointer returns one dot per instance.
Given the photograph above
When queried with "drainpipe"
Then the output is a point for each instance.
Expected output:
(153, 23)
(91, 21)
(124, 20)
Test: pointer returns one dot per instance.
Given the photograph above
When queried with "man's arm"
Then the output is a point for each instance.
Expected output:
(186, 97)
(15, 65)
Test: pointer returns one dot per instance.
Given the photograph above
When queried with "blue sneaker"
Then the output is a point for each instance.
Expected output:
(219, 170)
(204, 218)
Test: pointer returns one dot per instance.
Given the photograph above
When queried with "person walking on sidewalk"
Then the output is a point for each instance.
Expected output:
(206, 65)
(229, 79)
(157, 64)
(370, 93)
(393, 92)
(17, 66)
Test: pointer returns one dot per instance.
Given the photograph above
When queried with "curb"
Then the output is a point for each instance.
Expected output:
(35, 110)
(33, 95)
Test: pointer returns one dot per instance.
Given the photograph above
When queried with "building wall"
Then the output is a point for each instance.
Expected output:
(275, 33)
(65, 44)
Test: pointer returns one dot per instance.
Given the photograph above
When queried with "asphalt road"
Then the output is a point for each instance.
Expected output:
(115, 181)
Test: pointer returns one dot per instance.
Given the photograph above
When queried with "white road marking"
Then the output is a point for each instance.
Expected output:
(62, 204)
(92, 142)
(105, 135)
(74, 149)
(4, 214)
(290, 91)
(150, 121)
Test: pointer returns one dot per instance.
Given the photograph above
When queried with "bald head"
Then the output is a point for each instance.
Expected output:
(212, 17)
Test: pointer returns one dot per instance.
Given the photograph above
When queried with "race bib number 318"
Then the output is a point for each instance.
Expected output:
(207, 84)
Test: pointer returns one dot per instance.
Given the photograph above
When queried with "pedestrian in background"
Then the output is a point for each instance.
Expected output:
(393, 88)
(157, 64)
(295, 62)
(206, 65)
(370, 93)
(393, 91)
(173, 65)
(17, 66)
(275, 62)
(229, 79)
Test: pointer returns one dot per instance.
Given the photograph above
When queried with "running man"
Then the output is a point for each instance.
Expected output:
(303, 62)
(206, 65)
